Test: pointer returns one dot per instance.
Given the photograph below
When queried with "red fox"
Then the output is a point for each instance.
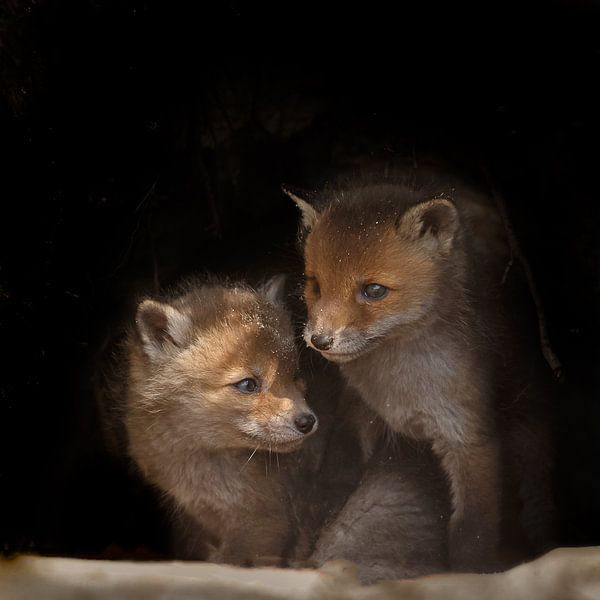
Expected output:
(395, 291)
(211, 390)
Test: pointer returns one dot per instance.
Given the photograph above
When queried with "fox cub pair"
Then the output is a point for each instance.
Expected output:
(399, 292)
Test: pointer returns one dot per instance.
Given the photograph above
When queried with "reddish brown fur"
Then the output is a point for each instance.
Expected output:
(200, 440)
(272, 508)
(344, 266)
(421, 356)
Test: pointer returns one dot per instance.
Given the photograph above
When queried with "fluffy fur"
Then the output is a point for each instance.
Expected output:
(394, 523)
(203, 442)
(194, 440)
(430, 357)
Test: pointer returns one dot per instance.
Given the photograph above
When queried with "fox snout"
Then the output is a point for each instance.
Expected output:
(321, 338)
(332, 332)
(340, 345)
(282, 424)
(305, 423)
(322, 341)
(302, 421)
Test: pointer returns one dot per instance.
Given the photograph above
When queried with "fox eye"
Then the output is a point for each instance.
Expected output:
(247, 386)
(374, 291)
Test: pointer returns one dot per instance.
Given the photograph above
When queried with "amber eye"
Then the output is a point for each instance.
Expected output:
(374, 291)
(247, 386)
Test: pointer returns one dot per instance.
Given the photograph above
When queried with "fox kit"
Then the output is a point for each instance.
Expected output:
(393, 297)
(211, 392)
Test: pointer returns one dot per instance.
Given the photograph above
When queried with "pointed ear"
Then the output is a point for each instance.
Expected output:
(309, 213)
(163, 329)
(434, 222)
(274, 290)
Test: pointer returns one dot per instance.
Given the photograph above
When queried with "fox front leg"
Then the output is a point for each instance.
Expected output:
(474, 474)
(255, 540)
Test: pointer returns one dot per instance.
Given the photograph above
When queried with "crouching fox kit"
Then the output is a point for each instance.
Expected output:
(394, 297)
(211, 392)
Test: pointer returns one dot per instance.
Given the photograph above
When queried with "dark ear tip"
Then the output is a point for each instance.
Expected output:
(440, 214)
(151, 316)
(295, 193)
(442, 207)
(146, 306)
(443, 201)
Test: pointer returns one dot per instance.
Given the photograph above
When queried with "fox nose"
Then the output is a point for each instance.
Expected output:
(305, 423)
(322, 341)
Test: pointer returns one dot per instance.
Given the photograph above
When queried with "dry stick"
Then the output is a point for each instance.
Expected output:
(140, 208)
(516, 252)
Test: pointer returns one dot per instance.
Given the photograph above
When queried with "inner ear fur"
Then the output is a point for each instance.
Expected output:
(310, 215)
(434, 222)
(274, 289)
(162, 328)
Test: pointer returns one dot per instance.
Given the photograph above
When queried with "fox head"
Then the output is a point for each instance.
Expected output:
(217, 368)
(374, 267)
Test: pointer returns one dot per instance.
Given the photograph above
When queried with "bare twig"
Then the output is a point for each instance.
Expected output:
(517, 253)
(140, 208)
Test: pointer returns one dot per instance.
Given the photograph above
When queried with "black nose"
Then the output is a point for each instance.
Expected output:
(305, 423)
(322, 341)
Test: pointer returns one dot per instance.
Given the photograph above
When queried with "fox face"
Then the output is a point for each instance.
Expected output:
(221, 370)
(372, 271)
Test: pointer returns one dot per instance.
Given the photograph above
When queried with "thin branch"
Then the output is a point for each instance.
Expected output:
(140, 208)
(517, 253)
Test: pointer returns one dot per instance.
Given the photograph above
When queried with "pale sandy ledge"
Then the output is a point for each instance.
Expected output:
(563, 574)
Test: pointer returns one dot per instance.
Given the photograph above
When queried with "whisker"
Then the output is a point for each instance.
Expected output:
(269, 454)
(154, 422)
(249, 459)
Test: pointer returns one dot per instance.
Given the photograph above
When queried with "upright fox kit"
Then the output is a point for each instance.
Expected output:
(393, 297)
(211, 389)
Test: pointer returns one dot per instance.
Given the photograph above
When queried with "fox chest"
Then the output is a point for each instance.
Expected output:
(411, 396)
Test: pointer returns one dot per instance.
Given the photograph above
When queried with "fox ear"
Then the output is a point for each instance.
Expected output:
(309, 214)
(274, 290)
(162, 328)
(435, 222)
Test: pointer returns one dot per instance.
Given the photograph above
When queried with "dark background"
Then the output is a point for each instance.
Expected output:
(145, 140)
